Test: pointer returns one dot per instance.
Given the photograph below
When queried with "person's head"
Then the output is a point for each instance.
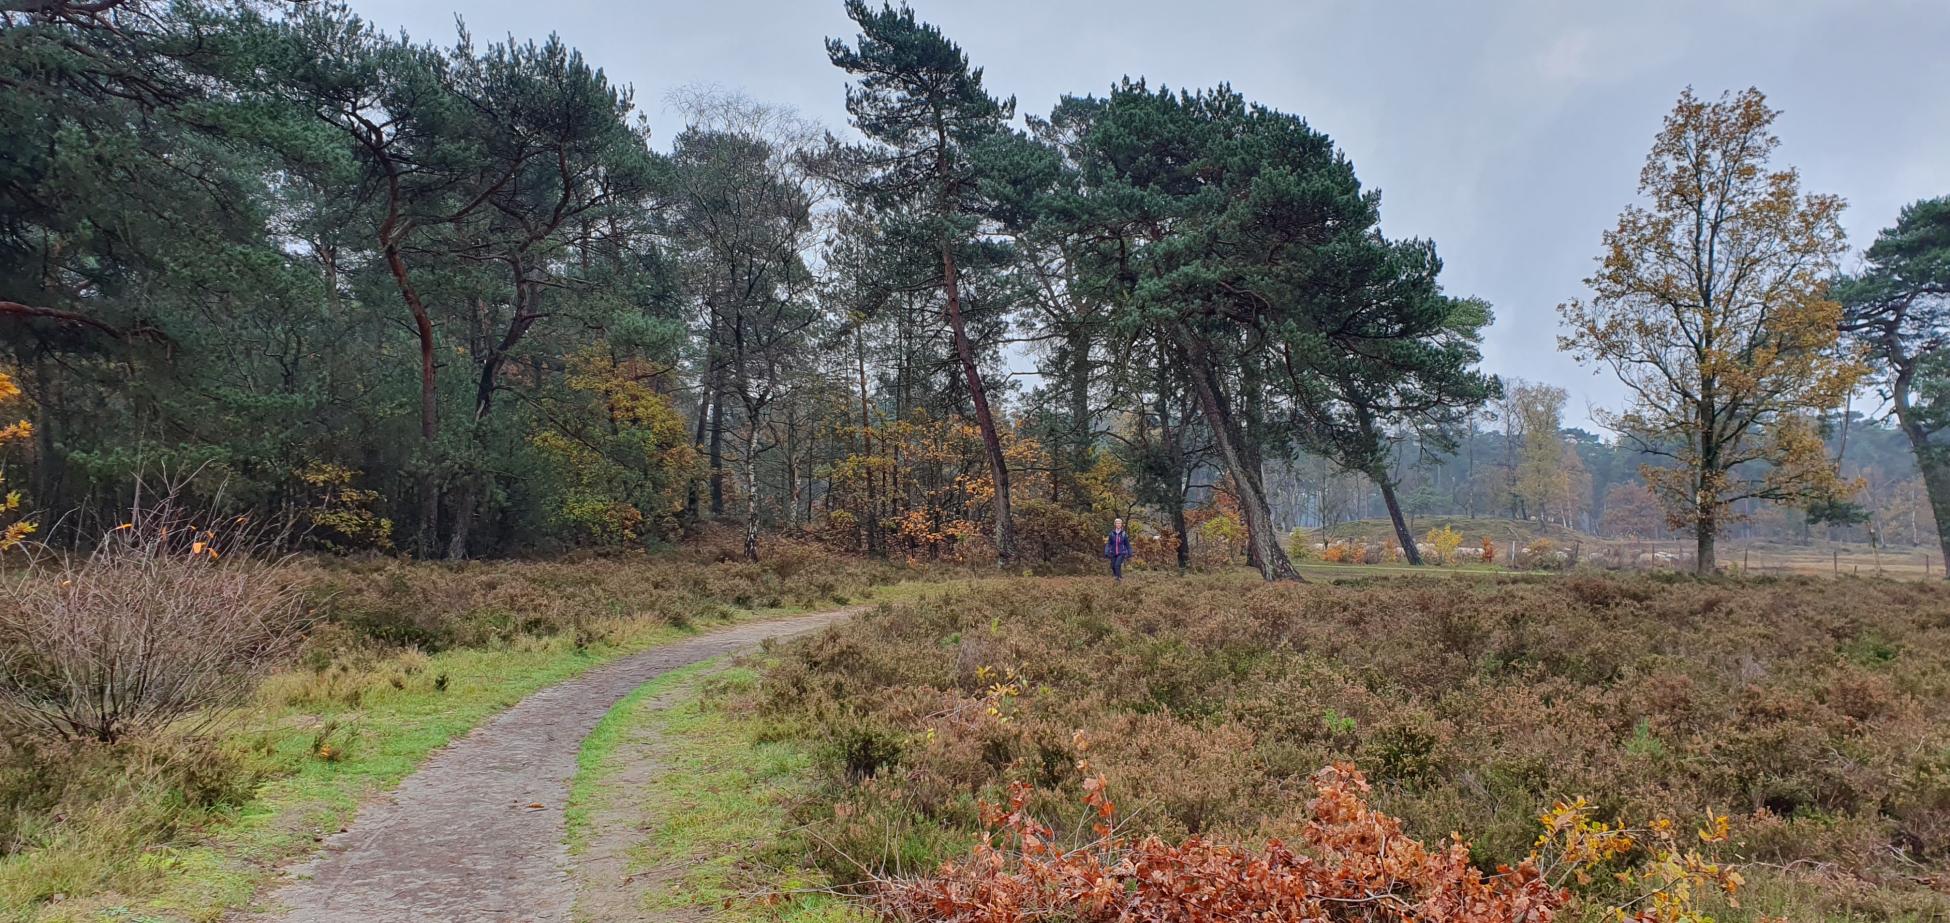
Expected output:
(1117, 524)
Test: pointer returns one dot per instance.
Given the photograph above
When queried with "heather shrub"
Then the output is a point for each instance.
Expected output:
(75, 814)
(434, 606)
(1814, 713)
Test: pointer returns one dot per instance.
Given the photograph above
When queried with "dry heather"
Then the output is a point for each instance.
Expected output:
(1816, 713)
(434, 607)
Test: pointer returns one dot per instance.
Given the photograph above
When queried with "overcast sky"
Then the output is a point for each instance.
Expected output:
(1509, 132)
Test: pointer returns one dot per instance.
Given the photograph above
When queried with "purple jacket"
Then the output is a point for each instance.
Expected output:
(1118, 545)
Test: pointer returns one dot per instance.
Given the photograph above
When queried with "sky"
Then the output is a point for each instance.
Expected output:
(1510, 132)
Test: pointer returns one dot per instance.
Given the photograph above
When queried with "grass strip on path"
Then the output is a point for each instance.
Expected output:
(713, 820)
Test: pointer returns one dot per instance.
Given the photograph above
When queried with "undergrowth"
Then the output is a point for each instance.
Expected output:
(1814, 714)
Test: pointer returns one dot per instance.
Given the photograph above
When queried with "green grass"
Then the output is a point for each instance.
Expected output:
(718, 811)
(596, 761)
(386, 732)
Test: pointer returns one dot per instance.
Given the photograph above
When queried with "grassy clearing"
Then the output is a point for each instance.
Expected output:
(410, 657)
(716, 817)
(1814, 557)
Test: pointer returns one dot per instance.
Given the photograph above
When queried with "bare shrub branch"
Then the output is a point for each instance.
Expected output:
(169, 618)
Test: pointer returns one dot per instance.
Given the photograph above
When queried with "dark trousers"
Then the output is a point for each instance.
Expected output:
(1117, 566)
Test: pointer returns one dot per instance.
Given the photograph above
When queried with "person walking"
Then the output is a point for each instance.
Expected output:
(1117, 547)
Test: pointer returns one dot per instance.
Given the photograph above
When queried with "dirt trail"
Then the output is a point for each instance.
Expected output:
(610, 886)
(477, 833)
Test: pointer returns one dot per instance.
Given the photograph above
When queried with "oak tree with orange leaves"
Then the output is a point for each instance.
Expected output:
(1710, 304)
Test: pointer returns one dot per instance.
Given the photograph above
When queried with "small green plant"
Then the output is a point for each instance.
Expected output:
(1337, 724)
(1301, 547)
(1645, 743)
(327, 745)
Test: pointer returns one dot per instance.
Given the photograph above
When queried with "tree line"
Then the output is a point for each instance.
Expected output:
(454, 299)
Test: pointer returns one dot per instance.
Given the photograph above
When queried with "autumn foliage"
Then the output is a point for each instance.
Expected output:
(13, 528)
(1354, 864)
(1722, 329)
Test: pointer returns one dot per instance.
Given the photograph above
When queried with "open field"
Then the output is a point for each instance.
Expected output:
(1503, 530)
(1815, 714)
(1816, 557)
(1811, 712)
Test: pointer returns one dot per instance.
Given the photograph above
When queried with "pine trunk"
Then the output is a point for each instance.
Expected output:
(463, 521)
(1402, 534)
(1005, 529)
(1262, 544)
(1934, 463)
(751, 496)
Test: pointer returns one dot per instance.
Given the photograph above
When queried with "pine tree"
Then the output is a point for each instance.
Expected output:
(924, 110)
(1898, 310)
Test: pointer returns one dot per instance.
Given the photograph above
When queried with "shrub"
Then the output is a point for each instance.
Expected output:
(1052, 534)
(1220, 539)
(165, 619)
(75, 815)
(1342, 552)
(1444, 542)
(1543, 554)
(1353, 863)
(1812, 711)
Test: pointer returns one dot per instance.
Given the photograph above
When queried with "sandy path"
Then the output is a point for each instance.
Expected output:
(477, 833)
(610, 886)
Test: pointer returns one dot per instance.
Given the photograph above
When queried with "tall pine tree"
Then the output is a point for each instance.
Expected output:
(925, 112)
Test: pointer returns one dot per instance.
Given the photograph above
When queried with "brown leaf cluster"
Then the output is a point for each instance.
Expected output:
(1353, 863)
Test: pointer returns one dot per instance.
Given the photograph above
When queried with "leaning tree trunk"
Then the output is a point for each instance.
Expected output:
(1262, 544)
(1934, 463)
(1005, 528)
(1409, 551)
